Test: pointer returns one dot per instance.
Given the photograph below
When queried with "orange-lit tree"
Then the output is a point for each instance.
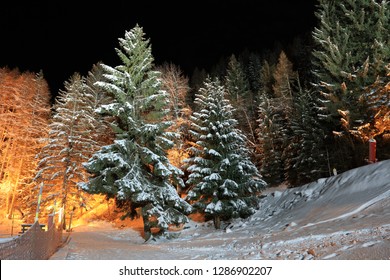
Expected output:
(376, 124)
(351, 52)
(24, 111)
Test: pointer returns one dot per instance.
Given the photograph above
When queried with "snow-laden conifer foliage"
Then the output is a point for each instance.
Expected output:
(223, 181)
(351, 54)
(71, 140)
(135, 169)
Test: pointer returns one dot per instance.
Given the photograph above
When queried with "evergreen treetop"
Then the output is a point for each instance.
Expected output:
(135, 169)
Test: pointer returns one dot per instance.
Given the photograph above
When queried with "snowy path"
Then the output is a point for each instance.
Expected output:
(100, 240)
(342, 217)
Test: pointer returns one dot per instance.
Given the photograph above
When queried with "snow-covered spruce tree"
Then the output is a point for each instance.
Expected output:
(135, 169)
(224, 183)
(71, 139)
(352, 51)
(196, 82)
(95, 96)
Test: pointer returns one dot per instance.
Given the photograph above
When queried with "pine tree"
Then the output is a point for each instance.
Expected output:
(275, 111)
(224, 183)
(99, 127)
(69, 144)
(284, 77)
(135, 169)
(253, 72)
(240, 97)
(266, 79)
(271, 140)
(352, 51)
(265, 92)
(196, 82)
(307, 157)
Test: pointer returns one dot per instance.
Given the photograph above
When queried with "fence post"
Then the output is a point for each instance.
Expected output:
(39, 202)
(50, 221)
(372, 151)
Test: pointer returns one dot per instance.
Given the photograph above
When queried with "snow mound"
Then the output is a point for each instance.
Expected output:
(346, 216)
(327, 199)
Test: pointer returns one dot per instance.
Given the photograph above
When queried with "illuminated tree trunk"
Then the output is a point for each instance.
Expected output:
(8, 179)
(15, 189)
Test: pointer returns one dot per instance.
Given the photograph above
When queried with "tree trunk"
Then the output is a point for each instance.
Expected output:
(16, 186)
(217, 222)
(145, 218)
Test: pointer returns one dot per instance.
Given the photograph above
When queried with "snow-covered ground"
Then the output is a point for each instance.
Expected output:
(341, 217)
(6, 239)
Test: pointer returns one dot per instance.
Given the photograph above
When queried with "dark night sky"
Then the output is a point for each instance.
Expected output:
(70, 36)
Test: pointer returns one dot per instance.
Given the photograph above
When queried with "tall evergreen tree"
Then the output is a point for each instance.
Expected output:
(196, 82)
(253, 72)
(70, 142)
(266, 79)
(352, 50)
(240, 97)
(306, 149)
(99, 127)
(135, 169)
(284, 77)
(275, 112)
(265, 92)
(272, 141)
(34, 134)
(224, 182)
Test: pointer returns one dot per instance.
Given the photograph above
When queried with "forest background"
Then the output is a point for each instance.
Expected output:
(305, 110)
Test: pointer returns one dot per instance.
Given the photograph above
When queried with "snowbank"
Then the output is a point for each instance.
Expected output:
(342, 217)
